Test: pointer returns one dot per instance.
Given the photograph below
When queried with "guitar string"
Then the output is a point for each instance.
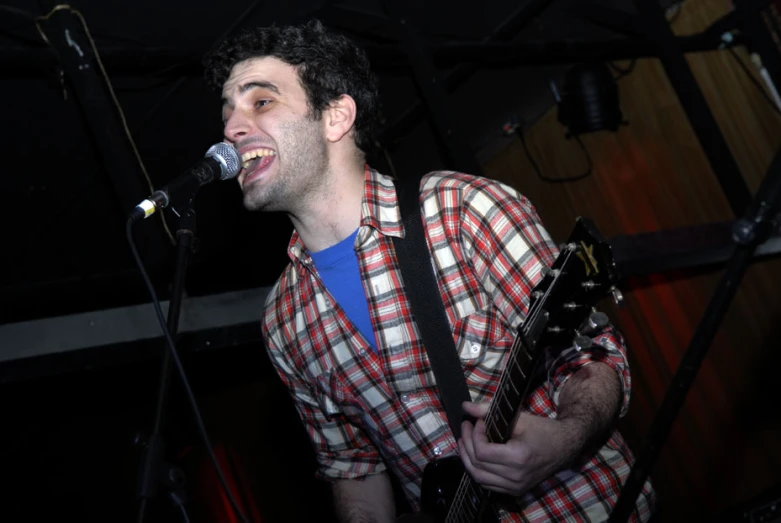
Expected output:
(466, 479)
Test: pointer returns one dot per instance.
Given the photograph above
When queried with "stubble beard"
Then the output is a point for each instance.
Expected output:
(300, 169)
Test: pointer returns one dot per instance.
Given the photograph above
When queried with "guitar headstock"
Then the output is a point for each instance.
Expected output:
(594, 252)
(561, 310)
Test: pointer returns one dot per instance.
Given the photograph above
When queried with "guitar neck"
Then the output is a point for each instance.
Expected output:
(510, 393)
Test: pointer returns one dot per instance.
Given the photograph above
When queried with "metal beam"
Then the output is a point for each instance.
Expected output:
(695, 247)
(541, 53)
(469, 57)
(216, 321)
(618, 21)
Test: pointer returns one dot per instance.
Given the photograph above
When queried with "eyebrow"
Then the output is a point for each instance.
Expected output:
(256, 84)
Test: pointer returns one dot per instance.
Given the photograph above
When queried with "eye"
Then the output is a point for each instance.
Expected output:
(260, 104)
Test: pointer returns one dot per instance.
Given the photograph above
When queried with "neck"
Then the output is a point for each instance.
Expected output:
(335, 212)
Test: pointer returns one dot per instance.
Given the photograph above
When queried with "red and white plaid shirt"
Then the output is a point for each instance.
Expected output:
(366, 410)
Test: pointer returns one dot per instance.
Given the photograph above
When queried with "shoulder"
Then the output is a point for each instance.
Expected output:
(478, 192)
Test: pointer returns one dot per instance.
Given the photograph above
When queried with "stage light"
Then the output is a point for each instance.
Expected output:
(588, 100)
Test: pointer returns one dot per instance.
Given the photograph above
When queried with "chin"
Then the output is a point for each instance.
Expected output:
(252, 202)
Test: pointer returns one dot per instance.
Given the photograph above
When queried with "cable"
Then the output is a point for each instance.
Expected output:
(78, 14)
(519, 133)
(175, 356)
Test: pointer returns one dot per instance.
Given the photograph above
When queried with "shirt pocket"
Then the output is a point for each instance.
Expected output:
(481, 340)
(470, 335)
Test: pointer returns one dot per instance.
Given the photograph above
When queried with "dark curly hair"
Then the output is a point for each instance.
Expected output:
(329, 65)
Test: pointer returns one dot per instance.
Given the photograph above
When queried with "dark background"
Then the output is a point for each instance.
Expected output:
(69, 179)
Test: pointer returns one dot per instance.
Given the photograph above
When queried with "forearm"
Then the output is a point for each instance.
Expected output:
(368, 500)
(589, 403)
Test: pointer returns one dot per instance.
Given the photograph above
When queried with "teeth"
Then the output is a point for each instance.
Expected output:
(247, 157)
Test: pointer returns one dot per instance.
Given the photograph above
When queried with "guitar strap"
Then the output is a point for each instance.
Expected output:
(420, 286)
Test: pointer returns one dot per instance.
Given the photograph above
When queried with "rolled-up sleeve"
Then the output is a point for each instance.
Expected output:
(343, 450)
(608, 348)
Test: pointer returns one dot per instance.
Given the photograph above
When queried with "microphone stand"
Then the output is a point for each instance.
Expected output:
(154, 471)
(747, 233)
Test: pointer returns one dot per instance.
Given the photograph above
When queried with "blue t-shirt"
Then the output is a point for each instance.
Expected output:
(338, 267)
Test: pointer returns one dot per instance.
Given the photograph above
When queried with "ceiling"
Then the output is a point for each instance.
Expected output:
(66, 198)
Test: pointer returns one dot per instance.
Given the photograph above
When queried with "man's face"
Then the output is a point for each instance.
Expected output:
(267, 118)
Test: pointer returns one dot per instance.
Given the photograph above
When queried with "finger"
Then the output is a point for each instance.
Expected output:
(466, 439)
(487, 452)
(486, 478)
(477, 410)
(497, 458)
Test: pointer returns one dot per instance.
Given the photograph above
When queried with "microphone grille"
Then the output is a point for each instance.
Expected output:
(228, 157)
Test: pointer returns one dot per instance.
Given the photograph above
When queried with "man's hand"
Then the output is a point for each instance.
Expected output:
(538, 448)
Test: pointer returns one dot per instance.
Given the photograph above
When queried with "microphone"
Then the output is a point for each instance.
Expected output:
(220, 162)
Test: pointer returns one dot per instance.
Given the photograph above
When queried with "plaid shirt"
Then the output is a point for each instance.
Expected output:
(365, 410)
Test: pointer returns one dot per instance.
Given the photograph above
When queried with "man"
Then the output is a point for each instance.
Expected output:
(300, 104)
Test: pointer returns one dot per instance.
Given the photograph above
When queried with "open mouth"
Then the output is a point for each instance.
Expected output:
(255, 161)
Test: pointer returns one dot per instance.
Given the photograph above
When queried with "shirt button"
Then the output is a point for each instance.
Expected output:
(475, 348)
(405, 398)
(437, 451)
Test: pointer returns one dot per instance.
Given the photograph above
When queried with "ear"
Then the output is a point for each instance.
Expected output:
(339, 118)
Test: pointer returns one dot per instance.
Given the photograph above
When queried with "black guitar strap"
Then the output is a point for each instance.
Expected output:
(420, 285)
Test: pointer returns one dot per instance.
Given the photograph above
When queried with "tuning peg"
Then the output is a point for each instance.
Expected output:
(598, 319)
(582, 342)
(594, 322)
(618, 296)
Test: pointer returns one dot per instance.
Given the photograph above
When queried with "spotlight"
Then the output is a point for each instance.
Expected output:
(589, 100)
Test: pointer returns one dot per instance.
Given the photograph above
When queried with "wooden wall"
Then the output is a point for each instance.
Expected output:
(650, 175)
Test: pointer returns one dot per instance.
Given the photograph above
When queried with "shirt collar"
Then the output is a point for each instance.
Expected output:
(379, 210)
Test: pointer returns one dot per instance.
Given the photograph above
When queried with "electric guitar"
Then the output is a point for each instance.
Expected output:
(561, 315)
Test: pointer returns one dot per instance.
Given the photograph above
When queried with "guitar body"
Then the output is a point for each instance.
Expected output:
(441, 480)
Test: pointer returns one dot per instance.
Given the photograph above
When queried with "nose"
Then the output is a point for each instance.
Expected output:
(237, 126)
